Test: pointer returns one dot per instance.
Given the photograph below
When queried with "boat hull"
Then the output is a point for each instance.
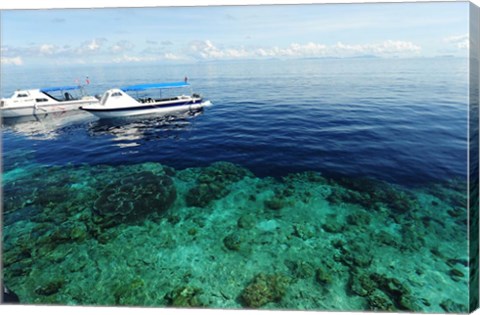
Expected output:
(145, 109)
(9, 112)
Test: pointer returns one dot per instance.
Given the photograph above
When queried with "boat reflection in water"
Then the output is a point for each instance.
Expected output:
(46, 126)
(129, 131)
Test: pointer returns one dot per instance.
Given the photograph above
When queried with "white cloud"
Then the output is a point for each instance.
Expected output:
(294, 50)
(17, 61)
(121, 46)
(126, 58)
(47, 49)
(388, 47)
(91, 46)
(459, 41)
(171, 56)
(163, 57)
(207, 50)
(124, 51)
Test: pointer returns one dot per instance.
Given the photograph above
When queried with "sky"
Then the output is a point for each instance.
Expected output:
(196, 34)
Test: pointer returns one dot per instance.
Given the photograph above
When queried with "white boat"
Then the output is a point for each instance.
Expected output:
(117, 103)
(44, 101)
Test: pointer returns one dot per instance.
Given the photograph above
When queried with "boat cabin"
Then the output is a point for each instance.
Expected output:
(45, 95)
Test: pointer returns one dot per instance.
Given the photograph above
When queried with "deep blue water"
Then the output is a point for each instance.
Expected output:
(401, 120)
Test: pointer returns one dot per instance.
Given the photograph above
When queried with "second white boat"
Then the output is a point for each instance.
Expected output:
(45, 101)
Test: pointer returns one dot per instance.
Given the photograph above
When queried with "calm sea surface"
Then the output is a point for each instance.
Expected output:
(404, 121)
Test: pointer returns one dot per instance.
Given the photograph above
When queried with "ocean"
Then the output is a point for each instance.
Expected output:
(322, 184)
(398, 120)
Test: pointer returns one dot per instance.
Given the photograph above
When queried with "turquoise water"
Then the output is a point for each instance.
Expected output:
(310, 184)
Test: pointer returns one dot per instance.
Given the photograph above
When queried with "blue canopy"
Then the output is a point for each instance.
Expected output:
(60, 88)
(142, 87)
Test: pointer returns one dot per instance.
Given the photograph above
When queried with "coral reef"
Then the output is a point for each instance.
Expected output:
(213, 183)
(132, 198)
(50, 288)
(274, 203)
(184, 296)
(128, 292)
(450, 306)
(380, 302)
(398, 293)
(301, 269)
(323, 276)
(371, 194)
(232, 241)
(265, 289)
(332, 225)
(137, 235)
(246, 221)
(304, 231)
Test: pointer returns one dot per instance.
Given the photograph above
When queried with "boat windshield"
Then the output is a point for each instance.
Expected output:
(65, 93)
(104, 98)
(108, 95)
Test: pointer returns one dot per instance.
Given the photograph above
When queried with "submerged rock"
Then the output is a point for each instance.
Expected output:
(331, 225)
(360, 218)
(20, 253)
(17, 196)
(413, 238)
(386, 238)
(246, 221)
(457, 212)
(300, 269)
(361, 284)
(307, 176)
(29, 211)
(232, 241)
(383, 293)
(184, 296)
(450, 306)
(265, 289)
(132, 198)
(323, 276)
(380, 302)
(398, 293)
(304, 231)
(50, 288)
(129, 292)
(370, 193)
(213, 183)
(456, 274)
(52, 195)
(275, 203)
(203, 194)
